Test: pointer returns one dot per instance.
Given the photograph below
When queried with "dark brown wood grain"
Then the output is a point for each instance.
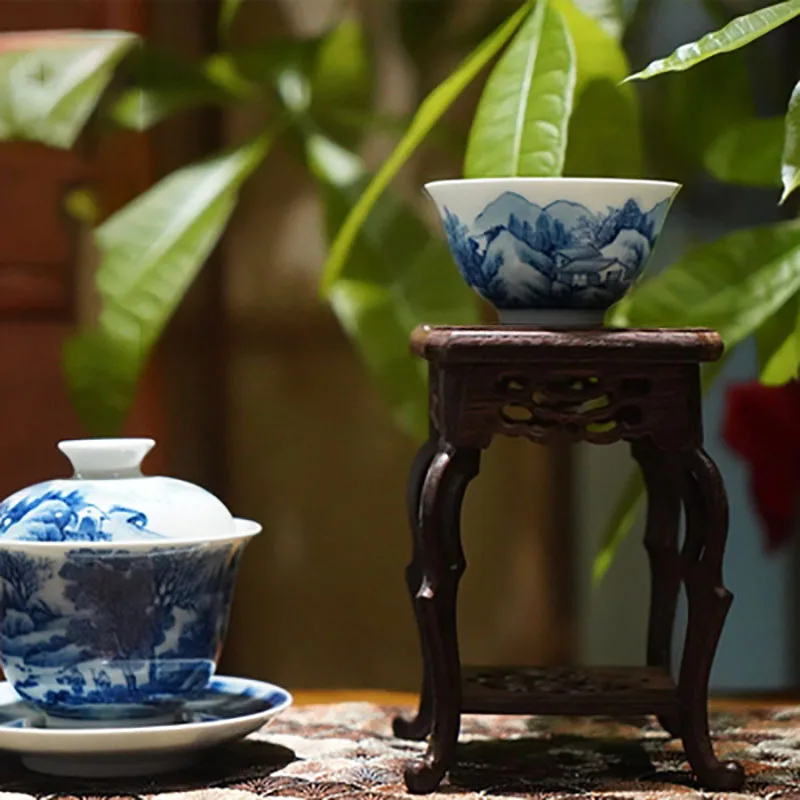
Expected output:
(592, 691)
(642, 387)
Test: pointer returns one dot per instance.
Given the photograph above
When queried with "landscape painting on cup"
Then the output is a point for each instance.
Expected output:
(113, 626)
(56, 515)
(518, 254)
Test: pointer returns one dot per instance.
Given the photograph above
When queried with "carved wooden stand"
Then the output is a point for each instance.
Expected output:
(596, 386)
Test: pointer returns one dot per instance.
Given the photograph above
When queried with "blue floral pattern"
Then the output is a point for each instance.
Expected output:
(58, 515)
(518, 254)
(113, 632)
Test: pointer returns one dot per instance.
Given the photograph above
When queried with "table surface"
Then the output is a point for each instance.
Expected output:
(309, 697)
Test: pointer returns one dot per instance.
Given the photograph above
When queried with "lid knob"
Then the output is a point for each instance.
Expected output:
(106, 458)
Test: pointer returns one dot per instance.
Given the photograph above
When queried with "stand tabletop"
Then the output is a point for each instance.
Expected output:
(508, 343)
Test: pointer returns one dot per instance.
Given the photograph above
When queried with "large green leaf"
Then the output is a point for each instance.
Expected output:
(397, 275)
(429, 113)
(165, 84)
(604, 131)
(776, 345)
(790, 170)
(51, 82)
(520, 127)
(733, 284)
(150, 251)
(737, 33)
(748, 154)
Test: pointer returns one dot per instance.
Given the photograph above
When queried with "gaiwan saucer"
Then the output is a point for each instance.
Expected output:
(230, 709)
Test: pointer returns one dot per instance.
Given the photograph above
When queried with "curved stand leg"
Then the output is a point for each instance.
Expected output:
(420, 726)
(438, 541)
(708, 601)
(661, 543)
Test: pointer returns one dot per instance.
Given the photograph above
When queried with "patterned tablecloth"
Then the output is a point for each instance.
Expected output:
(338, 752)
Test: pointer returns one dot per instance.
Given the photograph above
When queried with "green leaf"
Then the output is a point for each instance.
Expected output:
(165, 84)
(228, 9)
(429, 113)
(790, 170)
(51, 82)
(733, 284)
(737, 33)
(605, 130)
(150, 251)
(776, 345)
(397, 276)
(748, 154)
(520, 127)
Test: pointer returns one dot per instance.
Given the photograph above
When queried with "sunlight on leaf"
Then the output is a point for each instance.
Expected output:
(151, 251)
(737, 33)
(429, 113)
(51, 81)
(790, 171)
(520, 127)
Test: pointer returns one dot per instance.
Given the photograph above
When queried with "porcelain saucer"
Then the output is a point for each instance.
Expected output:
(229, 709)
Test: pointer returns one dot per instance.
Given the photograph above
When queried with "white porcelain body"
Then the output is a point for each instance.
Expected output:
(104, 631)
(552, 251)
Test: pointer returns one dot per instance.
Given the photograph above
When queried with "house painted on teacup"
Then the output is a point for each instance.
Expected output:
(585, 265)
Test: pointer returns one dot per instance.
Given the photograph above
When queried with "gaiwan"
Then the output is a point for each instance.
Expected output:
(115, 586)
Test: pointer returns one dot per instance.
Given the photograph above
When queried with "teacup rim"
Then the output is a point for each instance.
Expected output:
(244, 529)
(642, 182)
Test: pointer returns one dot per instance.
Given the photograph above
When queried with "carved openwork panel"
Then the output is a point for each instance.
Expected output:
(567, 402)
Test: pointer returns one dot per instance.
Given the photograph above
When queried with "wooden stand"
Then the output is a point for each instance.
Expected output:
(597, 386)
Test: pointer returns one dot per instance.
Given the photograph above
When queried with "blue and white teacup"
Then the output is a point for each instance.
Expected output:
(552, 251)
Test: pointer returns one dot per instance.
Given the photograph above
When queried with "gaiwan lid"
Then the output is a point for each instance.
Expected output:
(109, 499)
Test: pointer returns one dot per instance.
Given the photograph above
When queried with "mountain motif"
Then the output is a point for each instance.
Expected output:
(514, 260)
(577, 220)
(630, 248)
(518, 254)
(499, 211)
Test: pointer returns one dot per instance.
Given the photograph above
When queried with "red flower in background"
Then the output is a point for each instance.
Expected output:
(762, 425)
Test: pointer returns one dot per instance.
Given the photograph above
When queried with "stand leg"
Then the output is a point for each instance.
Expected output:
(437, 534)
(661, 543)
(420, 726)
(706, 509)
